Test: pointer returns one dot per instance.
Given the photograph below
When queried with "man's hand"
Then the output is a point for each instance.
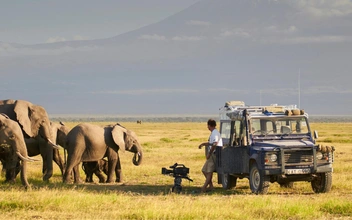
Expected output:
(202, 144)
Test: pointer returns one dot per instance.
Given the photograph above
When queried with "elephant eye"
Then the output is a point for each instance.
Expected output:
(11, 137)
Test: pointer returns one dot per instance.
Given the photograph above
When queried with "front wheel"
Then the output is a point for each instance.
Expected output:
(322, 183)
(228, 181)
(259, 183)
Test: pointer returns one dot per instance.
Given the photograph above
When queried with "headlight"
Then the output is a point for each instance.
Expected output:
(319, 155)
(273, 158)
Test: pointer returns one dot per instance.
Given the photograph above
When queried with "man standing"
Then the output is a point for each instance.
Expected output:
(209, 166)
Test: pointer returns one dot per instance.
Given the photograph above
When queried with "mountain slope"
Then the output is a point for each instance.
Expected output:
(213, 51)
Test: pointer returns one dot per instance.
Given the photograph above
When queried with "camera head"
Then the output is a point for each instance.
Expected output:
(177, 170)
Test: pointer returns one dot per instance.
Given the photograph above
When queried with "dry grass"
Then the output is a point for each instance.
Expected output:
(145, 193)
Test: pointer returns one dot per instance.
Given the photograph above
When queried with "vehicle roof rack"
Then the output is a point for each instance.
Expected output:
(234, 109)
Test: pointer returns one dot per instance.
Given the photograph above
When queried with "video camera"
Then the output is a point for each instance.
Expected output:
(179, 171)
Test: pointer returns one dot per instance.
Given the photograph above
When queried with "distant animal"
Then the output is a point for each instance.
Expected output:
(95, 167)
(139, 122)
(88, 142)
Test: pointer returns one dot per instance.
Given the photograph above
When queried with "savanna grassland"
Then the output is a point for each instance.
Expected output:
(145, 193)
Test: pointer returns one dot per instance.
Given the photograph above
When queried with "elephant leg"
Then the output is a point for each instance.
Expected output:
(47, 155)
(10, 175)
(98, 171)
(58, 160)
(89, 177)
(69, 173)
(87, 170)
(118, 171)
(73, 160)
(111, 169)
(77, 178)
(9, 171)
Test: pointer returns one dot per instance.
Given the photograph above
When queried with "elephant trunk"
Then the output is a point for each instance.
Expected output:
(137, 158)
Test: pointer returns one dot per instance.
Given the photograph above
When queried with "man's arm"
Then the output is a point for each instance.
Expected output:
(212, 149)
(203, 144)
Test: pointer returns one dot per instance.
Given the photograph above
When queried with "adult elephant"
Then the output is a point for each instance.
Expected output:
(87, 142)
(13, 148)
(39, 145)
(34, 122)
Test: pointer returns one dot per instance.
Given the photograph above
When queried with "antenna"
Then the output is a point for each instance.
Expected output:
(299, 88)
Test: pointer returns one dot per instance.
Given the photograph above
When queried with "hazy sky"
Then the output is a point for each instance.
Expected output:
(190, 56)
(47, 21)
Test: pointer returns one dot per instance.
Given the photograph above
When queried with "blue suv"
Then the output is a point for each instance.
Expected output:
(268, 144)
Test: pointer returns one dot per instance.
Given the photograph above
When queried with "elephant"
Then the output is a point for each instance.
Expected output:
(95, 167)
(88, 142)
(34, 122)
(13, 148)
(38, 145)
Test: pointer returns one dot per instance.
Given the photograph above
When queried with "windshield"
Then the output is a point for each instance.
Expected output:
(277, 125)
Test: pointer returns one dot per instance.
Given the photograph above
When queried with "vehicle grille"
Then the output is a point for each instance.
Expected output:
(298, 157)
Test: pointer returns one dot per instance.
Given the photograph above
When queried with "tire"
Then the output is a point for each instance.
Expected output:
(228, 181)
(258, 182)
(286, 185)
(322, 183)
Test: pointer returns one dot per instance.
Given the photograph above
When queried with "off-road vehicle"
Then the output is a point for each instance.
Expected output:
(268, 144)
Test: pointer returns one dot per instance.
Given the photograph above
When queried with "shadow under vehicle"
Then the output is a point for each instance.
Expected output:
(268, 144)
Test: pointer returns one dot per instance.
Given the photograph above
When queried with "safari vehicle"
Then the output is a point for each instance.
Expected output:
(268, 144)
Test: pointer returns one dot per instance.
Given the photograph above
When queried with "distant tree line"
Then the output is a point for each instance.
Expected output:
(326, 119)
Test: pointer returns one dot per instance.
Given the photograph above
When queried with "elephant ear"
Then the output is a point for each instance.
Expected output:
(23, 112)
(118, 135)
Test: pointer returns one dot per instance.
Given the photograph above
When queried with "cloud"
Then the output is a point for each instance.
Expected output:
(157, 37)
(187, 38)
(288, 30)
(9, 50)
(153, 37)
(324, 8)
(316, 39)
(146, 91)
(55, 39)
(235, 32)
(198, 23)
(63, 39)
(79, 37)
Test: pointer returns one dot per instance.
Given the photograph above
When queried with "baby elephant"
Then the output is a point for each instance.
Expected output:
(95, 167)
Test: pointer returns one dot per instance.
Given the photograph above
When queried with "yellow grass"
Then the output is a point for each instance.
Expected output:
(145, 193)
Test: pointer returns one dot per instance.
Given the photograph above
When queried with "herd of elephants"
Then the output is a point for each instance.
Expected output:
(26, 131)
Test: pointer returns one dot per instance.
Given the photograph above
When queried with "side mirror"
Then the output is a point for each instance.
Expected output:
(316, 136)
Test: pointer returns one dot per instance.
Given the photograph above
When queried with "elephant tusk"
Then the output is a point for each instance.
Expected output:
(25, 158)
(54, 145)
